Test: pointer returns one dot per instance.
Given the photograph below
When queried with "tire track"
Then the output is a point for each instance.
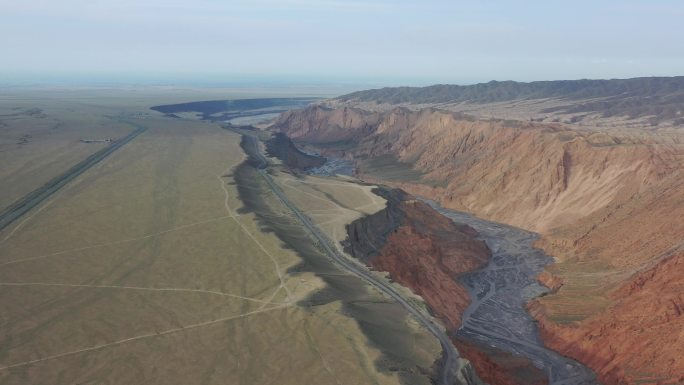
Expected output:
(140, 337)
(141, 288)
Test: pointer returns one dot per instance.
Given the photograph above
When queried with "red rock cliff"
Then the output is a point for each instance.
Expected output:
(607, 203)
(638, 340)
(426, 252)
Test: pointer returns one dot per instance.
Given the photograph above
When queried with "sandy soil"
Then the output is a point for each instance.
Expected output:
(145, 269)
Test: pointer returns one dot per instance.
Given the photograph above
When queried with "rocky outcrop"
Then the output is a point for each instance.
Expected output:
(541, 176)
(498, 367)
(554, 283)
(321, 125)
(638, 340)
(607, 195)
(427, 252)
(422, 250)
(610, 200)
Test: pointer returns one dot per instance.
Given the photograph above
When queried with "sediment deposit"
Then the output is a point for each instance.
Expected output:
(432, 254)
(607, 203)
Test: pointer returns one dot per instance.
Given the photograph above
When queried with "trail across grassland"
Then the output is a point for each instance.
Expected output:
(266, 305)
(143, 336)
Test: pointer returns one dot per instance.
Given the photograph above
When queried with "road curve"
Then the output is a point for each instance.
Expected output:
(449, 354)
(35, 197)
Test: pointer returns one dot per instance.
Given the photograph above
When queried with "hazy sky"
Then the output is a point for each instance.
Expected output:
(386, 41)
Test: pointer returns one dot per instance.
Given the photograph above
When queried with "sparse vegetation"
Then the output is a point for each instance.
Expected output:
(147, 268)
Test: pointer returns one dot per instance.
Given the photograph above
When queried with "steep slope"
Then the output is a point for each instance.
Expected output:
(639, 340)
(427, 252)
(422, 250)
(608, 203)
(322, 125)
(540, 176)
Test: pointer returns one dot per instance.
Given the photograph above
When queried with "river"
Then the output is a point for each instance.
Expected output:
(497, 316)
(499, 292)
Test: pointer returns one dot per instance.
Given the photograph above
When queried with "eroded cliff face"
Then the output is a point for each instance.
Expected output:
(500, 368)
(427, 252)
(638, 340)
(607, 195)
(607, 203)
(328, 126)
(422, 250)
(540, 176)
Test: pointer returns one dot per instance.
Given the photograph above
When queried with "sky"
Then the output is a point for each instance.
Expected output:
(375, 41)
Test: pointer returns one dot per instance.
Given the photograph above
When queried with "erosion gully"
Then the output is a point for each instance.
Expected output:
(499, 292)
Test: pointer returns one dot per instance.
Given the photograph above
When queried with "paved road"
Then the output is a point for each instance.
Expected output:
(449, 354)
(32, 199)
(499, 292)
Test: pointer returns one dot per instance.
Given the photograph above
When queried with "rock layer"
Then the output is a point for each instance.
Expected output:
(421, 250)
(427, 252)
(608, 204)
(640, 339)
(540, 176)
(498, 367)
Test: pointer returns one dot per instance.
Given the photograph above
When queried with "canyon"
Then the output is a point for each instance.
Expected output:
(422, 250)
(464, 280)
(601, 182)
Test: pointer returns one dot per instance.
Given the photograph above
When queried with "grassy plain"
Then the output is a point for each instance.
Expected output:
(38, 143)
(332, 203)
(147, 269)
(40, 128)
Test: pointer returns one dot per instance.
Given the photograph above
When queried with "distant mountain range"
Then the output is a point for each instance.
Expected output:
(498, 91)
(658, 97)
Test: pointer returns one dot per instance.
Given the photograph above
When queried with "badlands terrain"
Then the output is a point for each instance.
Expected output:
(595, 167)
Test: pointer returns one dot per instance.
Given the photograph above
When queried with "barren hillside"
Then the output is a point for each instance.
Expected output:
(650, 102)
(608, 202)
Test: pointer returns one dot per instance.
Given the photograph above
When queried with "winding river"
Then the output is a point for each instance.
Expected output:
(499, 292)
